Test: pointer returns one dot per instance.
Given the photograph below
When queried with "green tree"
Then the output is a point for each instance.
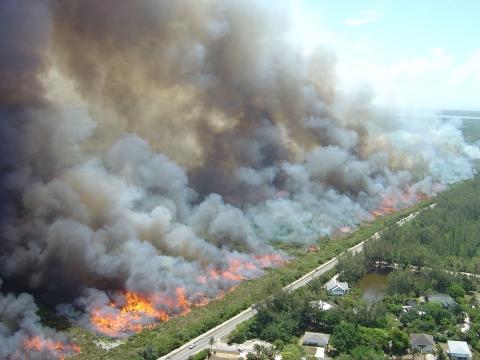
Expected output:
(292, 352)
(439, 279)
(401, 282)
(270, 352)
(345, 337)
(148, 352)
(437, 312)
(367, 353)
(376, 339)
(279, 344)
(351, 267)
(370, 314)
(344, 357)
(440, 353)
(400, 341)
(258, 349)
(202, 355)
(456, 292)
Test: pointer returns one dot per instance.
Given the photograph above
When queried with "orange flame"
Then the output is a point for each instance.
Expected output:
(138, 312)
(272, 260)
(313, 248)
(405, 199)
(181, 298)
(55, 348)
(200, 300)
(133, 312)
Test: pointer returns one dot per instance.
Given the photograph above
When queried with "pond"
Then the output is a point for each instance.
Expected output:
(370, 285)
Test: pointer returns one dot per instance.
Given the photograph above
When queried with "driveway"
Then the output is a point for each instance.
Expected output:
(320, 352)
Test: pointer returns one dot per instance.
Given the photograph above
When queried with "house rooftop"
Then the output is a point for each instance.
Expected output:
(443, 299)
(458, 347)
(333, 283)
(421, 339)
(324, 305)
(316, 338)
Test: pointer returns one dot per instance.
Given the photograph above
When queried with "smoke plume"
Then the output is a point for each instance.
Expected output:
(202, 134)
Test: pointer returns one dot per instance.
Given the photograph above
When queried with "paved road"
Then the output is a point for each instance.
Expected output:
(223, 329)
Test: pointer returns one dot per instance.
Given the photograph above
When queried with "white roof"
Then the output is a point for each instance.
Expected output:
(322, 304)
(333, 284)
(458, 347)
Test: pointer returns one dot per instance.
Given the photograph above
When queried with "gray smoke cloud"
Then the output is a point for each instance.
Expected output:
(203, 134)
(22, 335)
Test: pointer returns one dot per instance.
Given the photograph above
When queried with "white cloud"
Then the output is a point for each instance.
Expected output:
(471, 70)
(367, 17)
(423, 69)
(431, 81)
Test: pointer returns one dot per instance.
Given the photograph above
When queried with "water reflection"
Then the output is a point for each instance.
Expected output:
(370, 285)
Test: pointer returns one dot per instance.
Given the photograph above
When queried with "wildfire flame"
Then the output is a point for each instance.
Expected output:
(53, 348)
(271, 260)
(137, 312)
(200, 300)
(313, 248)
(129, 312)
(391, 204)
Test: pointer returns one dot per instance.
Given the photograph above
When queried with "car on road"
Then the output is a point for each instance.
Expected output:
(240, 350)
(191, 346)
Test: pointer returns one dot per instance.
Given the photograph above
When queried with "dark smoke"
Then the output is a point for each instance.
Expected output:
(205, 135)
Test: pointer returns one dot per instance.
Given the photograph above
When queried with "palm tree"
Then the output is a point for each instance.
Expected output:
(258, 349)
(211, 342)
(270, 352)
(415, 352)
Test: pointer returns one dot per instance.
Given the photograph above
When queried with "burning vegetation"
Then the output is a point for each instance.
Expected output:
(40, 347)
(128, 313)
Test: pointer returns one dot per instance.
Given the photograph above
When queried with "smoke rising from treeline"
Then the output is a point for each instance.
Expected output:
(217, 135)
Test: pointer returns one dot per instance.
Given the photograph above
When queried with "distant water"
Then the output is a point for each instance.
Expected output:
(461, 117)
(370, 285)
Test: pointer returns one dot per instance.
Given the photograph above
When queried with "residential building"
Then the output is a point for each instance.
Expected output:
(324, 305)
(423, 342)
(443, 299)
(410, 305)
(458, 350)
(315, 339)
(337, 288)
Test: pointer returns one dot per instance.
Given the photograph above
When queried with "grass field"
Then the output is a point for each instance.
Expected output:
(471, 130)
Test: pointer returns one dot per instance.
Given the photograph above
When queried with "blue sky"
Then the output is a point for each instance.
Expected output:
(421, 54)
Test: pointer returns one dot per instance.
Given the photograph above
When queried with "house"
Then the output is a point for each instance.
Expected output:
(410, 305)
(423, 342)
(315, 339)
(458, 350)
(324, 305)
(337, 288)
(443, 299)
